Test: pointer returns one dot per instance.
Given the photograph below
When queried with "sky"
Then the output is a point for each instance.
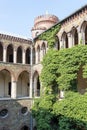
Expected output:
(17, 16)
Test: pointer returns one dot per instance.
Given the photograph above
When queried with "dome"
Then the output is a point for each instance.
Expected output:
(42, 23)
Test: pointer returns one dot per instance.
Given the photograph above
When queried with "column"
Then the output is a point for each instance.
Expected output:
(23, 58)
(15, 56)
(31, 75)
(36, 56)
(41, 54)
(14, 89)
(61, 44)
(31, 85)
(4, 54)
(69, 40)
(31, 56)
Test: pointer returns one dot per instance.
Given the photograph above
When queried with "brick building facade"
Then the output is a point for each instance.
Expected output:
(20, 66)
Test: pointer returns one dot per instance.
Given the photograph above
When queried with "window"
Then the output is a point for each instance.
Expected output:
(24, 110)
(9, 88)
(4, 113)
(11, 58)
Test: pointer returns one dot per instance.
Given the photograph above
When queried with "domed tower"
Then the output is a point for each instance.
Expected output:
(42, 23)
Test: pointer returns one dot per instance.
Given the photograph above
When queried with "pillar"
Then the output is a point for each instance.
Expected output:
(69, 40)
(23, 58)
(14, 88)
(31, 75)
(4, 54)
(15, 56)
(61, 44)
(36, 57)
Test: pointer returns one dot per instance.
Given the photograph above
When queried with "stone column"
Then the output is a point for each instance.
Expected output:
(15, 56)
(14, 88)
(36, 56)
(69, 40)
(23, 58)
(31, 56)
(79, 38)
(41, 54)
(31, 75)
(61, 44)
(31, 84)
(4, 54)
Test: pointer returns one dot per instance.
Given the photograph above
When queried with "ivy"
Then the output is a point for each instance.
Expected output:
(60, 71)
(50, 35)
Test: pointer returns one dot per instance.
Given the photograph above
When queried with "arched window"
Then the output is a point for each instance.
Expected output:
(1, 52)
(10, 53)
(19, 55)
(38, 54)
(65, 40)
(43, 49)
(86, 35)
(28, 56)
(23, 84)
(5, 83)
(36, 81)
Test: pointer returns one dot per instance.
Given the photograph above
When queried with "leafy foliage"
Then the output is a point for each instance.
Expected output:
(60, 71)
(60, 68)
(50, 35)
(42, 112)
(72, 112)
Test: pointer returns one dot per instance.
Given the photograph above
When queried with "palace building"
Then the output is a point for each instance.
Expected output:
(20, 66)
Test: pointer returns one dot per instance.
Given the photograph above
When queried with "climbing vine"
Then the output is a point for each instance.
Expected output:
(60, 71)
(50, 35)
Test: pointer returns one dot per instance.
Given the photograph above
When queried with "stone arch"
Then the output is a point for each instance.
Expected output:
(23, 84)
(65, 40)
(28, 55)
(10, 53)
(5, 83)
(38, 54)
(43, 48)
(36, 82)
(19, 54)
(84, 32)
(1, 51)
(74, 33)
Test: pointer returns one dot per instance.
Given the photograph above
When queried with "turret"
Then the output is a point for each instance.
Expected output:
(42, 23)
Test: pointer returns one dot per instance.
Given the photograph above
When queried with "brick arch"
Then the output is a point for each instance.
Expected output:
(36, 82)
(28, 55)
(65, 40)
(10, 71)
(10, 52)
(25, 70)
(1, 51)
(36, 73)
(19, 56)
(74, 33)
(81, 24)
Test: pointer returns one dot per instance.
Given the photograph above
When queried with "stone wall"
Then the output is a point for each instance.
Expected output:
(15, 120)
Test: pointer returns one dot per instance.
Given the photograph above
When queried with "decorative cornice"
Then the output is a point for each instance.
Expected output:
(14, 39)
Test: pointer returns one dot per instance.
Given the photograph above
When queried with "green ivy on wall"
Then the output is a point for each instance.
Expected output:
(50, 35)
